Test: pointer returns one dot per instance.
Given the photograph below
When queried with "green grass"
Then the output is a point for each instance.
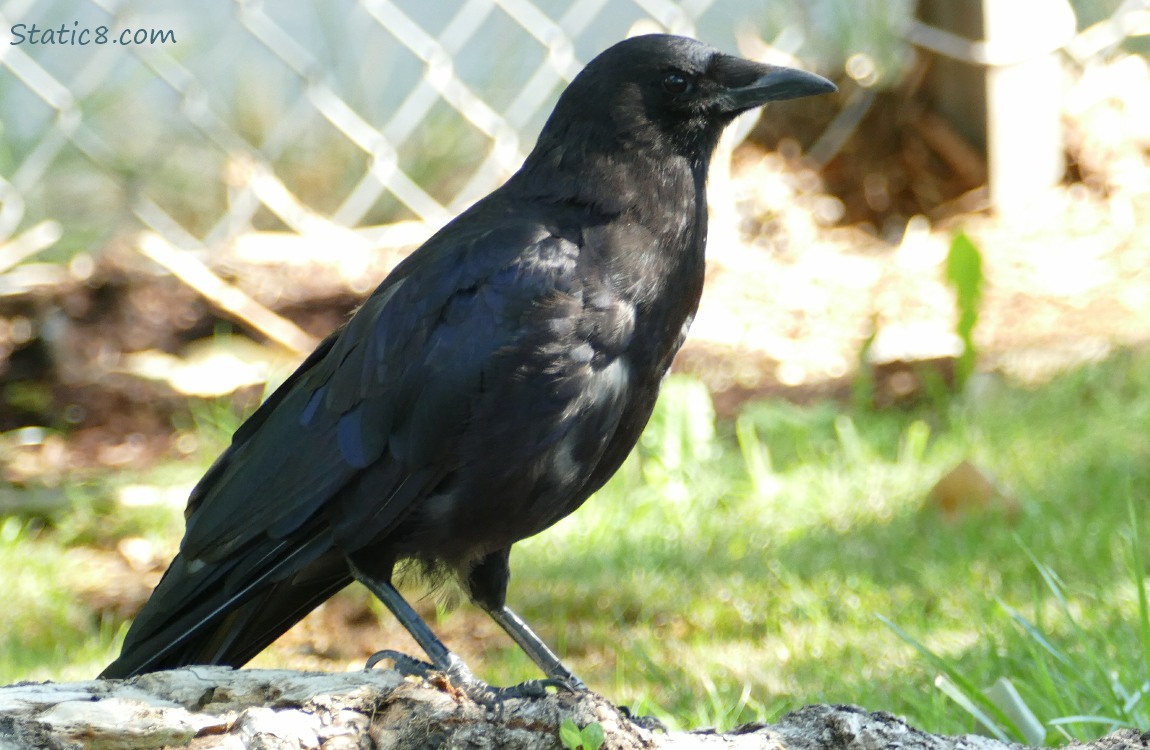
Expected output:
(731, 572)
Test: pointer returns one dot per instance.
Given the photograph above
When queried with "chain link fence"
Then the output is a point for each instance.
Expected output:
(357, 125)
(337, 129)
(203, 123)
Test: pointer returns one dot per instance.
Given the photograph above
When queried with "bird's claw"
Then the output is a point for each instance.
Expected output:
(408, 666)
(460, 677)
(534, 689)
(493, 698)
(650, 723)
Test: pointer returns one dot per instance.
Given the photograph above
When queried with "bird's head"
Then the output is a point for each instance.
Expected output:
(672, 90)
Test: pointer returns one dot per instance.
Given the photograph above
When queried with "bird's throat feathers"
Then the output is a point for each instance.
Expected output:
(662, 187)
(652, 198)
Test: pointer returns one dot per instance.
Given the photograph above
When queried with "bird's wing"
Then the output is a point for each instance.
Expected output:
(388, 387)
(367, 425)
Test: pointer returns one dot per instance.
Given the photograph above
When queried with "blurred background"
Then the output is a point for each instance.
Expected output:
(903, 459)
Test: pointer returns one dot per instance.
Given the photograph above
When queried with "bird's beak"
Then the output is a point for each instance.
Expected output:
(772, 83)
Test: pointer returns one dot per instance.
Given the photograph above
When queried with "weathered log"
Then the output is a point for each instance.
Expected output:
(217, 707)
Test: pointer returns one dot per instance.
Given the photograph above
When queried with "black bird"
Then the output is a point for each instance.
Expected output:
(495, 379)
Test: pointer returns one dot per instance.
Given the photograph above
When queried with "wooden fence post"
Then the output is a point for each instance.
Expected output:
(996, 78)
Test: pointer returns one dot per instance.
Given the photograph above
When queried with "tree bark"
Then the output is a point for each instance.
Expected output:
(218, 707)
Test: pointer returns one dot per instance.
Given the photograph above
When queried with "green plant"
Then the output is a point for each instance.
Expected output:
(964, 273)
(589, 737)
(1054, 692)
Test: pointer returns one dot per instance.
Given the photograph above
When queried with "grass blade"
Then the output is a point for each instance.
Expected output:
(959, 696)
(956, 684)
(1139, 584)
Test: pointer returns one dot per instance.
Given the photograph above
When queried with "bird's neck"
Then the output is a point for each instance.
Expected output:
(654, 184)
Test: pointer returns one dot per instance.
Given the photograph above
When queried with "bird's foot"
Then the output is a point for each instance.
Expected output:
(408, 666)
(458, 676)
(650, 723)
(533, 689)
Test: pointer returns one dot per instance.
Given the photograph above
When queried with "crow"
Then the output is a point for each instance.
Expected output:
(493, 381)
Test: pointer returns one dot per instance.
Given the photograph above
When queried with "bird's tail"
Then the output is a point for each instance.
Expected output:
(197, 615)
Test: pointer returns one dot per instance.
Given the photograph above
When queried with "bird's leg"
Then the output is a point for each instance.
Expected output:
(442, 659)
(558, 675)
(487, 583)
(535, 648)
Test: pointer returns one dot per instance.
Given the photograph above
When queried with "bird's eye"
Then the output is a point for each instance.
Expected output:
(674, 83)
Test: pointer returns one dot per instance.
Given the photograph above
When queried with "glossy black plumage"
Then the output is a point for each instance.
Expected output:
(494, 380)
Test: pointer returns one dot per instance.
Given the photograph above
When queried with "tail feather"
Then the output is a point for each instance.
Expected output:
(216, 625)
